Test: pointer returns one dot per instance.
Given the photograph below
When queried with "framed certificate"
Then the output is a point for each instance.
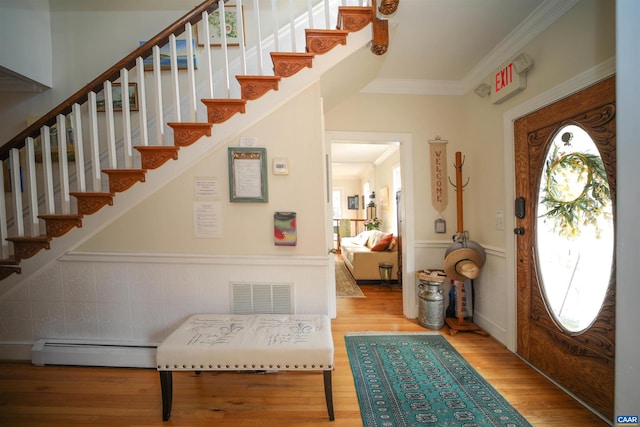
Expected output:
(248, 174)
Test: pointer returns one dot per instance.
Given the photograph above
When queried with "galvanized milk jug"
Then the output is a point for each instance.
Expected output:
(431, 302)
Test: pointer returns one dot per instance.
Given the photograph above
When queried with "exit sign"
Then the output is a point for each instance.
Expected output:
(507, 82)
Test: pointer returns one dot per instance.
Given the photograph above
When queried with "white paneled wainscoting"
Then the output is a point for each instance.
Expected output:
(122, 305)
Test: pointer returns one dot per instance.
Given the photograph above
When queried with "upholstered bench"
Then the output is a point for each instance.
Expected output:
(228, 342)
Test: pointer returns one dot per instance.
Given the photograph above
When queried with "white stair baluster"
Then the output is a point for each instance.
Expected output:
(78, 146)
(260, 53)
(142, 103)
(47, 170)
(16, 188)
(225, 52)
(207, 51)
(31, 185)
(126, 119)
(94, 144)
(111, 130)
(292, 27)
(240, 29)
(191, 77)
(174, 77)
(274, 16)
(63, 165)
(157, 77)
(310, 13)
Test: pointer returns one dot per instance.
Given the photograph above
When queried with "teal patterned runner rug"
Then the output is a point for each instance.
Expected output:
(421, 380)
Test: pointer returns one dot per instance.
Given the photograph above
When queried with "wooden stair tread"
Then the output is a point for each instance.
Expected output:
(221, 110)
(90, 203)
(59, 225)
(8, 270)
(26, 247)
(186, 133)
(354, 18)
(253, 87)
(322, 41)
(122, 179)
(154, 156)
(286, 64)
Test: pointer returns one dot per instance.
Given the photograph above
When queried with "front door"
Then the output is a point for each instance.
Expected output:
(565, 157)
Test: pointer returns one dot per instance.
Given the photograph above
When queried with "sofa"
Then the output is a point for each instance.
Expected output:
(363, 253)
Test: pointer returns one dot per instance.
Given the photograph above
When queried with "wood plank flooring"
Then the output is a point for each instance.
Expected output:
(86, 396)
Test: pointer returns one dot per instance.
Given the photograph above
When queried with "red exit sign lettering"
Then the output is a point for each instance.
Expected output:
(507, 82)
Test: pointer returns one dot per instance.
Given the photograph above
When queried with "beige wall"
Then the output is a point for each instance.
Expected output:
(158, 226)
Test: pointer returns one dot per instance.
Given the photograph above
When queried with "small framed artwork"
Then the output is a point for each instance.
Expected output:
(215, 34)
(352, 202)
(248, 174)
(284, 229)
(116, 94)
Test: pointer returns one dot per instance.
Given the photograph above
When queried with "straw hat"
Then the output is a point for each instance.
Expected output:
(463, 260)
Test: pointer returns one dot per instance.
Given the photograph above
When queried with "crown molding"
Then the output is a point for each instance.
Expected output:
(537, 22)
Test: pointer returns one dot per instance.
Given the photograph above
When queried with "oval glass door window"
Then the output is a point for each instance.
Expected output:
(574, 230)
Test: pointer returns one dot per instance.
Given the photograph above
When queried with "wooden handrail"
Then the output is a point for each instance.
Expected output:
(113, 73)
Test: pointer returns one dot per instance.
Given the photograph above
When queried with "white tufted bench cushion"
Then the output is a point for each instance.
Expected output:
(230, 342)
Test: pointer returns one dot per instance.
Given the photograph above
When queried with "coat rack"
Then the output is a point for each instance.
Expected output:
(463, 260)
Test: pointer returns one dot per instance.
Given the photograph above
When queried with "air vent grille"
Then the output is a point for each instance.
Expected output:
(262, 298)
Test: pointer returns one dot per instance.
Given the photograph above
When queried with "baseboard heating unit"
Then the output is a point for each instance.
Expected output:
(93, 353)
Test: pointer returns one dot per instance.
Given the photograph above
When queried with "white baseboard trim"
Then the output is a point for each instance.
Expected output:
(93, 353)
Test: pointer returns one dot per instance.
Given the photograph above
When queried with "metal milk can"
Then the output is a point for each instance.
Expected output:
(431, 299)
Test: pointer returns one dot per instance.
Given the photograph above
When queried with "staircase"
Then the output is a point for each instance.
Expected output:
(86, 147)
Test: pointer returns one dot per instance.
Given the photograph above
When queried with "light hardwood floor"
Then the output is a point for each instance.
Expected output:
(82, 396)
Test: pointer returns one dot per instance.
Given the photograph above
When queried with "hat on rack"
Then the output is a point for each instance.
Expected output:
(463, 260)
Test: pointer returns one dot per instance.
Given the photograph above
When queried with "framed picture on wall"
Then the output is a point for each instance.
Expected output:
(232, 27)
(116, 95)
(352, 202)
(248, 174)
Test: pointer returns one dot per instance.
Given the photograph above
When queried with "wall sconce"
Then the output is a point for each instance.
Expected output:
(522, 63)
(482, 90)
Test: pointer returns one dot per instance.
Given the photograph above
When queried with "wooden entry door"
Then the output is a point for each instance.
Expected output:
(580, 358)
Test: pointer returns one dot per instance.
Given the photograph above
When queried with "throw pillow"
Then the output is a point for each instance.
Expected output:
(362, 238)
(374, 236)
(383, 243)
(393, 244)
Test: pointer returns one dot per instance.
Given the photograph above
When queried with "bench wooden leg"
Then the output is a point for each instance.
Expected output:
(166, 384)
(328, 393)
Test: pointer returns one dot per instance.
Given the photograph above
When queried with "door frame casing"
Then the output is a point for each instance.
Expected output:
(569, 87)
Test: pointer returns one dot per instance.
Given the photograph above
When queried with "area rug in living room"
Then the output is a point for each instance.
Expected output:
(346, 286)
(419, 379)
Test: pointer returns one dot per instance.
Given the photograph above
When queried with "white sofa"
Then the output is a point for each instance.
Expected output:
(363, 262)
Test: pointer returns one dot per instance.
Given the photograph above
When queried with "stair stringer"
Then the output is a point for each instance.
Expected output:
(156, 179)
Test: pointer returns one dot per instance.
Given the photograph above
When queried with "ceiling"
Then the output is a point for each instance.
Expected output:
(437, 47)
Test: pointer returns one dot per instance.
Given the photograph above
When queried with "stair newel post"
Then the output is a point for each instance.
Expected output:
(63, 164)
(16, 188)
(191, 76)
(30, 184)
(78, 146)
(94, 144)
(142, 103)
(175, 85)
(157, 79)
(126, 119)
(111, 130)
(47, 172)
(207, 51)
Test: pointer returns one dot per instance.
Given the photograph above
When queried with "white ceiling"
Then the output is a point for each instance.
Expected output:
(437, 47)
